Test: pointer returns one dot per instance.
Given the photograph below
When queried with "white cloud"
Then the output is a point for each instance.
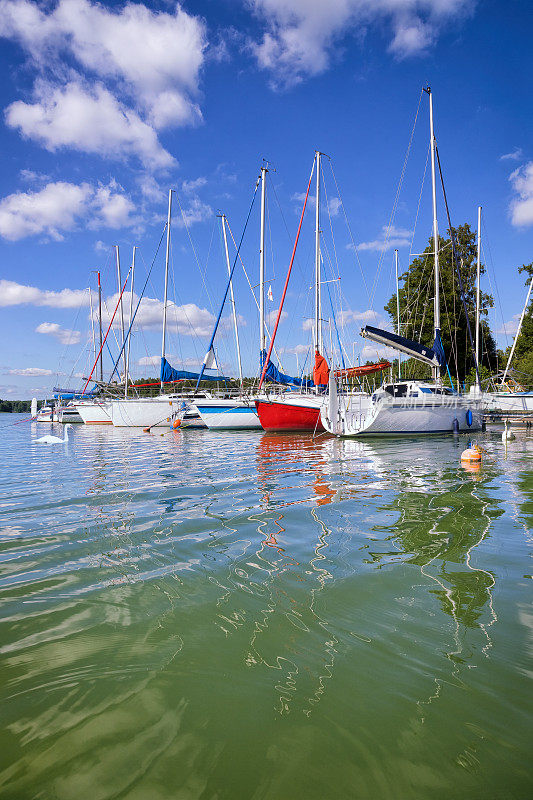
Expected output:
(194, 185)
(514, 155)
(63, 335)
(90, 120)
(150, 361)
(509, 328)
(196, 211)
(375, 353)
(186, 320)
(29, 371)
(302, 35)
(152, 60)
(14, 294)
(60, 207)
(272, 316)
(521, 205)
(390, 238)
(348, 316)
(299, 349)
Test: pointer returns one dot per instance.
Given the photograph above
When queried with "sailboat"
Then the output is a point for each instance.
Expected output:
(508, 395)
(141, 412)
(238, 413)
(300, 410)
(408, 406)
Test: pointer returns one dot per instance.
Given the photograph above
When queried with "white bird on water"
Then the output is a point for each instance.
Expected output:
(507, 435)
(53, 439)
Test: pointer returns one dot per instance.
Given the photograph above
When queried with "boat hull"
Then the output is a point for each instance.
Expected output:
(143, 413)
(297, 415)
(399, 418)
(94, 413)
(514, 402)
(237, 414)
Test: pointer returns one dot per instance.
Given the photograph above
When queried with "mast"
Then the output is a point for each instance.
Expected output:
(477, 291)
(163, 340)
(318, 299)
(398, 312)
(119, 279)
(262, 336)
(436, 370)
(130, 318)
(518, 331)
(223, 218)
(100, 325)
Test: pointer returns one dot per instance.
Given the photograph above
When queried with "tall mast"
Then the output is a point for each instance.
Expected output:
(318, 300)
(100, 326)
(518, 331)
(262, 335)
(477, 290)
(119, 279)
(130, 318)
(235, 328)
(436, 371)
(398, 312)
(163, 341)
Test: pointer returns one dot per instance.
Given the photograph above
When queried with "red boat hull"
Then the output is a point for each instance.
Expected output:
(288, 417)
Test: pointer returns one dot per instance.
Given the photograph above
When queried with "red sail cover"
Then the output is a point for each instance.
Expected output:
(367, 369)
(321, 370)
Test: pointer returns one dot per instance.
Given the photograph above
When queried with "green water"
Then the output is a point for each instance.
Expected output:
(247, 615)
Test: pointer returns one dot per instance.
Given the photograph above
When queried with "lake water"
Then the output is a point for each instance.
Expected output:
(218, 615)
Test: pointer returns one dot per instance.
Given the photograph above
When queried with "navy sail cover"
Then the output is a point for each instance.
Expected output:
(434, 356)
(273, 375)
(169, 374)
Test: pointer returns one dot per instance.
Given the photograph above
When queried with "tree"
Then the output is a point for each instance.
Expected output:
(523, 354)
(417, 298)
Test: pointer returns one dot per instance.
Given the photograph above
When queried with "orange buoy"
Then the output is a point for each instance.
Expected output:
(471, 454)
(176, 424)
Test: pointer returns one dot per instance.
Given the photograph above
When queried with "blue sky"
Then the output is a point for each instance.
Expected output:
(106, 106)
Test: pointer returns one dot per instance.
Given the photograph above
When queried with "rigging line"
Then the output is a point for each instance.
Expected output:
(487, 240)
(193, 249)
(200, 376)
(272, 184)
(138, 303)
(457, 266)
(395, 204)
(68, 343)
(267, 359)
(331, 227)
(354, 246)
(251, 288)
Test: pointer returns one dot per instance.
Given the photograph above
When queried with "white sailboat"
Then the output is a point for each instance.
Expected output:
(508, 396)
(237, 413)
(407, 407)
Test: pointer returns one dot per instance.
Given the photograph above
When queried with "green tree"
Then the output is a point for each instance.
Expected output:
(523, 354)
(417, 298)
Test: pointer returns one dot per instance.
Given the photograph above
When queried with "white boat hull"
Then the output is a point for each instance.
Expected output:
(399, 417)
(96, 413)
(153, 412)
(233, 414)
(143, 413)
(514, 402)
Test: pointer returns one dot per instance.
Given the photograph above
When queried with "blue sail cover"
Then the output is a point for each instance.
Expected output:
(273, 375)
(438, 349)
(69, 395)
(428, 355)
(169, 374)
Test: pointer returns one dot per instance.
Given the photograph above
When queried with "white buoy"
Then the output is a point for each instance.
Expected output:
(54, 439)
(34, 407)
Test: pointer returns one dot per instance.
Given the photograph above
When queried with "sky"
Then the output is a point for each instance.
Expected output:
(106, 106)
